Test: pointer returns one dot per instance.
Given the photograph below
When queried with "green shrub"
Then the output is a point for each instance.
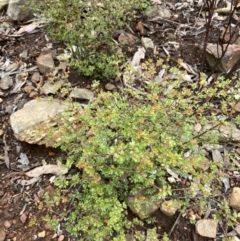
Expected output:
(89, 25)
(125, 142)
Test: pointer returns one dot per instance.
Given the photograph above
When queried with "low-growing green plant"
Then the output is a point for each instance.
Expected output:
(86, 27)
(125, 141)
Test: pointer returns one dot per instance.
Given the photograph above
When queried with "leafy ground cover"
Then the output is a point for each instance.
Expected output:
(31, 207)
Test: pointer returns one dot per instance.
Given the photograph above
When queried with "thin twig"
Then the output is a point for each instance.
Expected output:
(174, 225)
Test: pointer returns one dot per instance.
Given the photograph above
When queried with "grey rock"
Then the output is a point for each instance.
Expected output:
(6, 82)
(235, 198)
(207, 227)
(142, 205)
(217, 156)
(157, 12)
(81, 94)
(18, 10)
(35, 77)
(147, 43)
(49, 88)
(224, 133)
(32, 123)
(227, 61)
(45, 63)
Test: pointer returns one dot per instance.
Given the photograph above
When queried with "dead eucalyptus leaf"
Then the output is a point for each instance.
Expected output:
(47, 169)
(140, 54)
(28, 182)
(28, 28)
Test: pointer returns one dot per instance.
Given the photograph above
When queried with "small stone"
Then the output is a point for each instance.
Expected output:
(203, 165)
(49, 88)
(19, 10)
(110, 86)
(170, 207)
(217, 156)
(45, 63)
(33, 94)
(127, 38)
(1, 193)
(28, 88)
(207, 227)
(230, 58)
(42, 234)
(23, 218)
(147, 43)
(235, 198)
(6, 82)
(47, 226)
(157, 12)
(171, 179)
(1, 100)
(81, 94)
(61, 238)
(36, 77)
(7, 224)
(9, 109)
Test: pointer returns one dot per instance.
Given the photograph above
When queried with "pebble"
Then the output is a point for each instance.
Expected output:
(147, 43)
(1, 193)
(7, 224)
(110, 86)
(45, 63)
(6, 82)
(42, 234)
(36, 77)
(28, 88)
(235, 198)
(33, 94)
(61, 238)
(207, 227)
(82, 94)
(23, 218)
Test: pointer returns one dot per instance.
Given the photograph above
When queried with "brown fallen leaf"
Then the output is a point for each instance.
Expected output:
(140, 28)
(127, 38)
(47, 169)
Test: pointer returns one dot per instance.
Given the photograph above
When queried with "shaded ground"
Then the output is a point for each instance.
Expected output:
(22, 209)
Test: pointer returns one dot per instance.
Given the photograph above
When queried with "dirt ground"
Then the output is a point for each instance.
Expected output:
(22, 209)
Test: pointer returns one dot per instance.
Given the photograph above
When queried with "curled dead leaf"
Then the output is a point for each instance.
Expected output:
(47, 169)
